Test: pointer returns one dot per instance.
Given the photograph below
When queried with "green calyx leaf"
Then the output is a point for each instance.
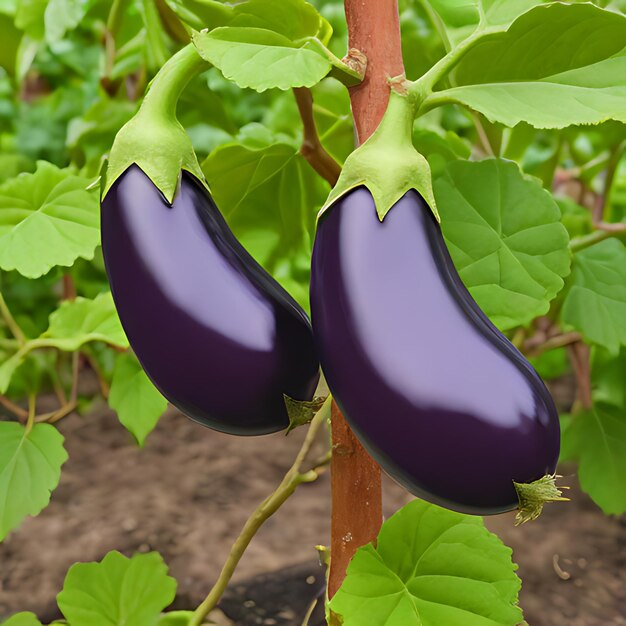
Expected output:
(532, 497)
(387, 163)
(154, 139)
(302, 412)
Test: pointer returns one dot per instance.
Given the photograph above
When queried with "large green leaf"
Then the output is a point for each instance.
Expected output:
(30, 468)
(557, 65)
(597, 440)
(608, 376)
(117, 591)
(46, 219)
(595, 304)
(505, 237)
(431, 567)
(261, 59)
(138, 403)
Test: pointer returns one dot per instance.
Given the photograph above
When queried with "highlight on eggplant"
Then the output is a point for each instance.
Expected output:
(216, 334)
(436, 393)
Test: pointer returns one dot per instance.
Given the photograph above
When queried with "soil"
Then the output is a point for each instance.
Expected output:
(189, 491)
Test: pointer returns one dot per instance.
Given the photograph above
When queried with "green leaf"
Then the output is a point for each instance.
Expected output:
(234, 161)
(30, 468)
(431, 567)
(49, 19)
(82, 320)
(117, 591)
(597, 439)
(200, 14)
(47, 219)
(503, 232)
(138, 403)
(261, 59)
(295, 19)
(22, 619)
(553, 54)
(608, 376)
(595, 304)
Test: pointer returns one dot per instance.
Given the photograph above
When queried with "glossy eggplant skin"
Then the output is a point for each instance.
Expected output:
(438, 396)
(216, 334)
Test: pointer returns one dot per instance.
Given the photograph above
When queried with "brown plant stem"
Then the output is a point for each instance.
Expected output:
(579, 357)
(312, 149)
(374, 29)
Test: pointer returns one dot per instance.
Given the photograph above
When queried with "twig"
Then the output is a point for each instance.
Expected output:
(32, 406)
(535, 348)
(482, 135)
(579, 357)
(71, 404)
(293, 478)
(609, 177)
(14, 408)
(14, 327)
(95, 366)
(611, 227)
(312, 149)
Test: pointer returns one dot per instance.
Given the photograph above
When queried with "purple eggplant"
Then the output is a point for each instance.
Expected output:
(436, 393)
(216, 334)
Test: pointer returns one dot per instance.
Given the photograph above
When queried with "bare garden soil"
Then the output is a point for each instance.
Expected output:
(189, 491)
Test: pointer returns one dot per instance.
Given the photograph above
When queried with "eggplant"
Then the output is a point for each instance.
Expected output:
(436, 393)
(216, 334)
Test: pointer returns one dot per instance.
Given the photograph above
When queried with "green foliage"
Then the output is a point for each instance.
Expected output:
(597, 440)
(51, 206)
(596, 300)
(30, 468)
(137, 402)
(504, 234)
(577, 57)
(431, 566)
(117, 591)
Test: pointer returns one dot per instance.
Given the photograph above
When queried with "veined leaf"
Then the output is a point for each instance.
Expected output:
(117, 591)
(47, 219)
(595, 304)
(431, 567)
(138, 403)
(261, 59)
(30, 468)
(505, 237)
(22, 619)
(597, 440)
(556, 65)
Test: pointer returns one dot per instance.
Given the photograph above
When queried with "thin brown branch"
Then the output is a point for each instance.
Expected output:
(312, 149)
(72, 403)
(579, 357)
(611, 227)
(537, 344)
(18, 411)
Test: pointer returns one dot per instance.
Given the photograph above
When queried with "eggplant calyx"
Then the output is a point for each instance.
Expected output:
(532, 497)
(154, 138)
(387, 163)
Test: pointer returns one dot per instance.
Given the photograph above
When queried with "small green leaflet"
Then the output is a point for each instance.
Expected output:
(261, 59)
(503, 232)
(595, 304)
(597, 440)
(608, 376)
(302, 412)
(138, 403)
(431, 567)
(30, 468)
(49, 19)
(73, 324)
(22, 619)
(175, 618)
(117, 591)
(460, 13)
(557, 65)
(51, 206)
